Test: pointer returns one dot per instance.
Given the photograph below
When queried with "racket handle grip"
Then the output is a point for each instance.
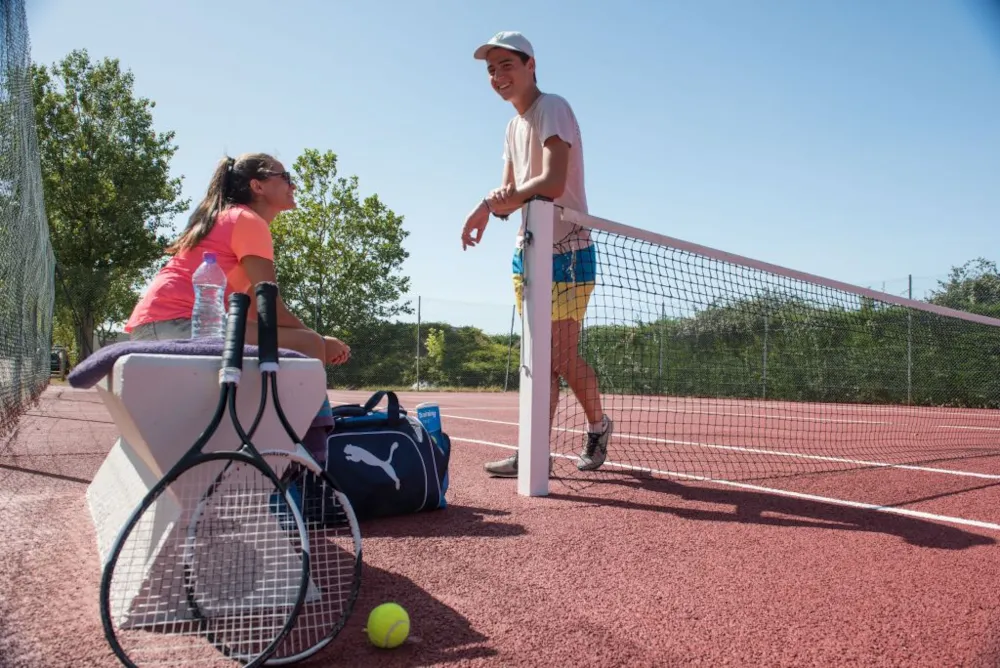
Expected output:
(236, 331)
(267, 322)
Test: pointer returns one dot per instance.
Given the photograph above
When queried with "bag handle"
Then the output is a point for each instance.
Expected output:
(393, 408)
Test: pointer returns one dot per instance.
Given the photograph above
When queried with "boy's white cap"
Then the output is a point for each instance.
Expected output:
(507, 39)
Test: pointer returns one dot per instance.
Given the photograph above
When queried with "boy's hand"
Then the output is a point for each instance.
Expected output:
(505, 200)
(501, 193)
(475, 223)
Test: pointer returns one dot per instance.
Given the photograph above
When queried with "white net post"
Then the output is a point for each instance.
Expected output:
(536, 350)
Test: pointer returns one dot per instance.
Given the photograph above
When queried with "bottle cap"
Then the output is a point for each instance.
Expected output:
(209, 257)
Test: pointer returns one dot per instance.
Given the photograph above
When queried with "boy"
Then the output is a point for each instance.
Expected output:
(543, 155)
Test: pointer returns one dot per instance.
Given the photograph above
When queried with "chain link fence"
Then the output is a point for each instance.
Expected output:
(26, 260)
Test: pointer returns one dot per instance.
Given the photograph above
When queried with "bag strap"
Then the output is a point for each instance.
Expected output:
(357, 410)
(348, 410)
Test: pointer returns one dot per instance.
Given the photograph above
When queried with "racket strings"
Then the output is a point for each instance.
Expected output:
(211, 572)
(335, 548)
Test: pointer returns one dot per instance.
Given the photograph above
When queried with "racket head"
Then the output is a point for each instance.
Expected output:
(212, 566)
(210, 570)
(335, 552)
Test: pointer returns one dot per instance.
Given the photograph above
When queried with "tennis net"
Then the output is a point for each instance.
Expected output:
(26, 259)
(717, 366)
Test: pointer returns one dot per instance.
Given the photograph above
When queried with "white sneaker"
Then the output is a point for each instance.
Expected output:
(507, 468)
(595, 450)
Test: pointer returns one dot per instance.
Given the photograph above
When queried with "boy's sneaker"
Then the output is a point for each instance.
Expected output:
(504, 468)
(595, 451)
(507, 468)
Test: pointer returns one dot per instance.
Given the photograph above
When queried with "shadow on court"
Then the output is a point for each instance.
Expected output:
(439, 633)
(746, 507)
(455, 521)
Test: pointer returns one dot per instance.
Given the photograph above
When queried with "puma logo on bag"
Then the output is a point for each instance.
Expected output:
(355, 454)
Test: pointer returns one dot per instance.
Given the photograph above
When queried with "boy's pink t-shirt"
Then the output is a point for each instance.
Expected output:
(238, 232)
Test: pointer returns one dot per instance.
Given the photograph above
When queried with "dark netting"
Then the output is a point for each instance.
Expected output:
(26, 260)
(718, 368)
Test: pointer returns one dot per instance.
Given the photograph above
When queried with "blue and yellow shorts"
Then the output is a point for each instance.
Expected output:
(574, 275)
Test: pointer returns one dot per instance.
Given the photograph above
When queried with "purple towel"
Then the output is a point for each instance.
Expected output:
(89, 372)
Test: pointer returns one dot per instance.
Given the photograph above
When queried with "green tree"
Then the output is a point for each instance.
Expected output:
(436, 355)
(973, 287)
(108, 191)
(338, 256)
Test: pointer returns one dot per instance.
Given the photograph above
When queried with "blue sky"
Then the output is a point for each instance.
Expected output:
(851, 139)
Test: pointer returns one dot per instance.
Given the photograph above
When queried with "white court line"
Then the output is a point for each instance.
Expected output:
(759, 451)
(797, 418)
(955, 426)
(792, 418)
(891, 510)
(788, 404)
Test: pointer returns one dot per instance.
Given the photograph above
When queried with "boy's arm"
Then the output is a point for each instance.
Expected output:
(550, 183)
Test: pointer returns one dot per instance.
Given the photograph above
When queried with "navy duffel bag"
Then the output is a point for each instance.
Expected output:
(386, 461)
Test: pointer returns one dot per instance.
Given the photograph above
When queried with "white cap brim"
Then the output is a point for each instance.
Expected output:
(481, 52)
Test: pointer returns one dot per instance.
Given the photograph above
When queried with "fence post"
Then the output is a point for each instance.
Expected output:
(764, 377)
(418, 343)
(909, 345)
(510, 346)
(661, 328)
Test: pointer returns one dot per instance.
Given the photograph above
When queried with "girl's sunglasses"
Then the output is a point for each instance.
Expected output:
(287, 176)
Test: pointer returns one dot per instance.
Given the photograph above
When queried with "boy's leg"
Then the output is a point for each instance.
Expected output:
(583, 381)
(575, 276)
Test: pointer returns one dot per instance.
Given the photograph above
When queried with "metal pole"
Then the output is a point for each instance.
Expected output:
(909, 346)
(663, 324)
(319, 305)
(764, 377)
(510, 346)
(418, 343)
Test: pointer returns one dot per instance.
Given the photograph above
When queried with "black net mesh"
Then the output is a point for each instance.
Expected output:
(713, 368)
(26, 260)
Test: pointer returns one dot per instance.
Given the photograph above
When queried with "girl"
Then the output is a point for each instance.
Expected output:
(232, 221)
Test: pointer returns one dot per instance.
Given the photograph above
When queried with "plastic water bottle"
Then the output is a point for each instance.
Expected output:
(209, 313)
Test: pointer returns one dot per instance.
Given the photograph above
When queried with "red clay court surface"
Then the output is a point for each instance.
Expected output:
(617, 571)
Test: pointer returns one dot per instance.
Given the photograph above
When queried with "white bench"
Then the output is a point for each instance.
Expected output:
(161, 404)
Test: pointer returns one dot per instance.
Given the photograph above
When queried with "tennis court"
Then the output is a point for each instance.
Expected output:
(753, 437)
(621, 571)
(802, 473)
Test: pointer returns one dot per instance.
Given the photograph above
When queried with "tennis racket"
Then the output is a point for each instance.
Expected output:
(212, 566)
(334, 536)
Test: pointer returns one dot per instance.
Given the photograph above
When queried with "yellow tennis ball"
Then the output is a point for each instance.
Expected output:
(388, 625)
